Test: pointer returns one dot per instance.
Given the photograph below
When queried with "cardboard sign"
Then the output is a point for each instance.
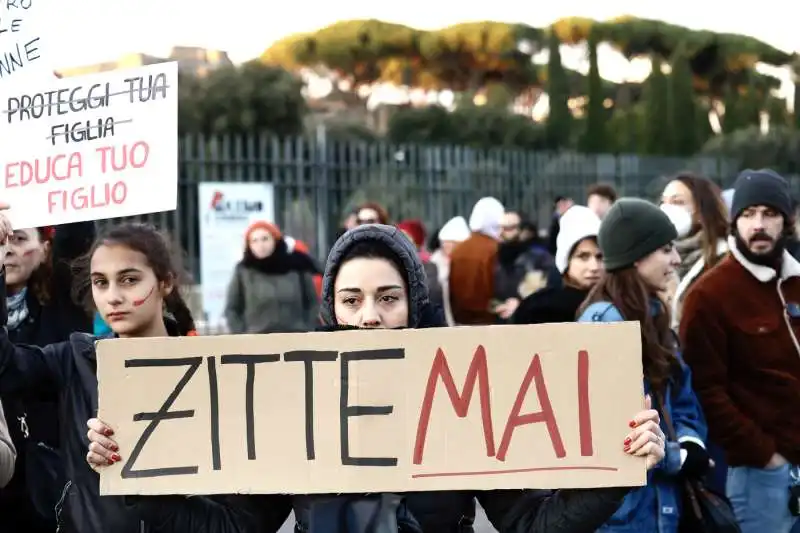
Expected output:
(372, 411)
(91, 147)
(23, 30)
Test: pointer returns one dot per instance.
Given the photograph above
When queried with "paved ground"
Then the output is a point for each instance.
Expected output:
(482, 525)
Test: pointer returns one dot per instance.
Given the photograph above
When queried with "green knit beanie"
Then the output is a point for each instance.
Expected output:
(631, 230)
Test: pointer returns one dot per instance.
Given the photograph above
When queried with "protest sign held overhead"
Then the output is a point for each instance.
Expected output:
(91, 147)
(481, 408)
(22, 39)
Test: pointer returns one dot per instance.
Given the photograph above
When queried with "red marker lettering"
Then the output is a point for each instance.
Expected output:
(546, 415)
(478, 373)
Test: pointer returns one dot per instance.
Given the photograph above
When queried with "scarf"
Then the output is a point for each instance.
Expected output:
(17, 306)
(691, 250)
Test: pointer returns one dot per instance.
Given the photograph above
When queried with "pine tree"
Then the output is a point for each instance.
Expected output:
(559, 121)
(594, 139)
(733, 118)
(683, 107)
(778, 112)
(797, 102)
(657, 135)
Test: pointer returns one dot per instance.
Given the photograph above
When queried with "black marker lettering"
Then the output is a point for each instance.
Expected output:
(309, 357)
(346, 411)
(250, 361)
(163, 414)
(213, 396)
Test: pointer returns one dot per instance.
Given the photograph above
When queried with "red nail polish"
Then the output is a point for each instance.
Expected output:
(114, 448)
(627, 441)
(632, 423)
(110, 462)
(115, 457)
(627, 448)
(108, 432)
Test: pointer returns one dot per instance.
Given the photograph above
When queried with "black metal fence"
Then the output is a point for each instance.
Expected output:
(317, 180)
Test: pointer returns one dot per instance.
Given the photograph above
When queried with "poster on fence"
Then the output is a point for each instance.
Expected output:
(25, 34)
(90, 147)
(491, 407)
(226, 210)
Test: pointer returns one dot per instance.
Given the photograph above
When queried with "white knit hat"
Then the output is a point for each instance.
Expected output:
(486, 217)
(578, 223)
(455, 230)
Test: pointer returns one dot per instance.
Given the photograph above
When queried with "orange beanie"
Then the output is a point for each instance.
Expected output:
(269, 227)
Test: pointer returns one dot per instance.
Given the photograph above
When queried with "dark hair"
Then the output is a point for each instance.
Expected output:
(604, 190)
(626, 290)
(529, 225)
(711, 212)
(383, 214)
(434, 243)
(374, 249)
(147, 240)
(41, 281)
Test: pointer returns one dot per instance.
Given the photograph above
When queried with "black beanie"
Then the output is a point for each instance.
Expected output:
(761, 187)
(631, 230)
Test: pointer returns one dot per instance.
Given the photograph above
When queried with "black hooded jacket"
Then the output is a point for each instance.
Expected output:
(38, 472)
(510, 511)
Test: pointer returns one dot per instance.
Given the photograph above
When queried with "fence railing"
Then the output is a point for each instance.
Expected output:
(317, 180)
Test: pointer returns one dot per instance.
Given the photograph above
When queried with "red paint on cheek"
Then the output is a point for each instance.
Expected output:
(138, 303)
(28, 253)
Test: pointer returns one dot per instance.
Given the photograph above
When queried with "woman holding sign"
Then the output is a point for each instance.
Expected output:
(130, 279)
(375, 279)
(636, 239)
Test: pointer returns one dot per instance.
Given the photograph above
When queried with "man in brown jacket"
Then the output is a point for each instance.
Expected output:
(472, 265)
(740, 329)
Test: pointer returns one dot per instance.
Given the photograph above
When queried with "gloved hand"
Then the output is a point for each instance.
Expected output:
(697, 460)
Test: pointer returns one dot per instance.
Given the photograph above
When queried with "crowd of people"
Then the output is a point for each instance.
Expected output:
(713, 283)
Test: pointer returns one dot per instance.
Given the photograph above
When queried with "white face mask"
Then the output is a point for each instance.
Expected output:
(680, 218)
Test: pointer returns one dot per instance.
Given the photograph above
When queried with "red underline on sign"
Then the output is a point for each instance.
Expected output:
(514, 471)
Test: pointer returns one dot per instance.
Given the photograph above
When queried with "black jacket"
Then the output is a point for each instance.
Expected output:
(70, 368)
(511, 511)
(47, 323)
(550, 305)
